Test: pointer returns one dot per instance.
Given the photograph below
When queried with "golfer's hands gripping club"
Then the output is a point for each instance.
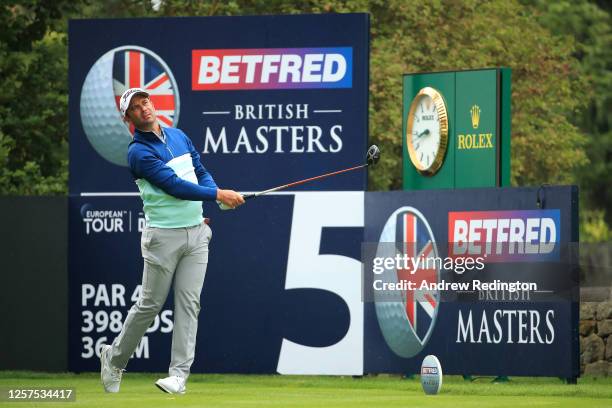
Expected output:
(229, 199)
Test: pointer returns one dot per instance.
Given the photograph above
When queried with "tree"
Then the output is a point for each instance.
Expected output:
(34, 98)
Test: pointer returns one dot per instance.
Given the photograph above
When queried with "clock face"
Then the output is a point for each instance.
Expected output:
(427, 131)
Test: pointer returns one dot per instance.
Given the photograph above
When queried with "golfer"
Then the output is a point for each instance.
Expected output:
(172, 183)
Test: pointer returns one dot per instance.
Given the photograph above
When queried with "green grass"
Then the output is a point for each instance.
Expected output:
(138, 391)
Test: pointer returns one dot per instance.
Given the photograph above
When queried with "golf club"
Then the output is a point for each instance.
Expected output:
(372, 157)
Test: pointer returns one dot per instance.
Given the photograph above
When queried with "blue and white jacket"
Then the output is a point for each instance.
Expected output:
(171, 179)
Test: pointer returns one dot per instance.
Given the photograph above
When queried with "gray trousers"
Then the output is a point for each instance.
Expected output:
(170, 254)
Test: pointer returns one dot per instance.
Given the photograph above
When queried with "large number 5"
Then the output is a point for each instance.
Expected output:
(338, 274)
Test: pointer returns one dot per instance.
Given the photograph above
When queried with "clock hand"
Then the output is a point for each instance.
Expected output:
(425, 132)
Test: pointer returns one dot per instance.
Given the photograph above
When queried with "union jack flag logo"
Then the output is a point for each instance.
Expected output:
(133, 68)
(406, 313)
(414, 241)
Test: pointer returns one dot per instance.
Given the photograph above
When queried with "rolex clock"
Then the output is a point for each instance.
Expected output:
(427, 131)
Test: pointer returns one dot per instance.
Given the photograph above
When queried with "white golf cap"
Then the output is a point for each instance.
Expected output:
(126, 98)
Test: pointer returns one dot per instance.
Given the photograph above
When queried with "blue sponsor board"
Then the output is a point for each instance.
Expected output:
(266, 100)
(488, 331)
(260, 311)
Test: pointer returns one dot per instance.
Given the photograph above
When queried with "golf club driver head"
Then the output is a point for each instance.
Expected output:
(372, 155)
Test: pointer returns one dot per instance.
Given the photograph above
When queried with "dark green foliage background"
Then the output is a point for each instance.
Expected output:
(559, 52)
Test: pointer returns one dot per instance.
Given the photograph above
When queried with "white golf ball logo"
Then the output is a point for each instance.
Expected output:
(113, 73)
(407, 318)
